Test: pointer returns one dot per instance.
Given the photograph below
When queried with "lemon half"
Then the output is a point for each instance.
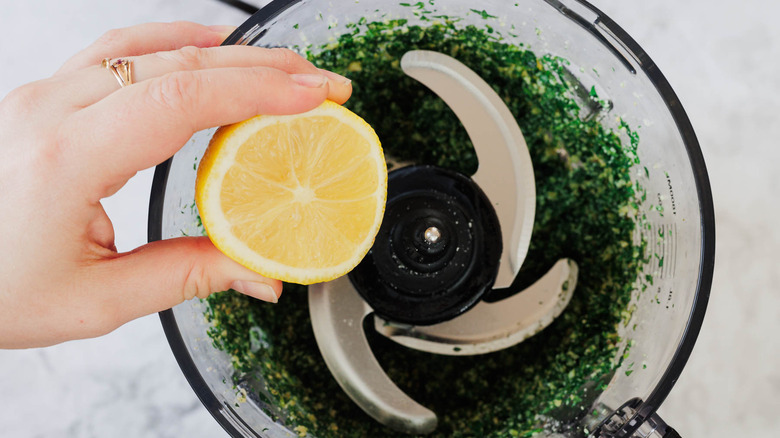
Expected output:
(298, 198)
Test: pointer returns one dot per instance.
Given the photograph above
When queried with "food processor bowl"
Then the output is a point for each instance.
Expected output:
(615, 82)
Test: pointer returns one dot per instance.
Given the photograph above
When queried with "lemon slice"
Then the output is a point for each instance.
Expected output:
(298, 198)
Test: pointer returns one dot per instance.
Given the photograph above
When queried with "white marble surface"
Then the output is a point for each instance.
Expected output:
(720, 56)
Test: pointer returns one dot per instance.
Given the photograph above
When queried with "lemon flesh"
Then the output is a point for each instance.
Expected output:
(298, 198)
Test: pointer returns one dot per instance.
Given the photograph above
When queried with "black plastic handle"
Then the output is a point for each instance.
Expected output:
(625, 421)
(671, 433)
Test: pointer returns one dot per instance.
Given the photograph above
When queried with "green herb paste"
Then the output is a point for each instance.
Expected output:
(584, 201)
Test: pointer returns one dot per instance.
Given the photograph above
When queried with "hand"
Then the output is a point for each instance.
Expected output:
(73, 139)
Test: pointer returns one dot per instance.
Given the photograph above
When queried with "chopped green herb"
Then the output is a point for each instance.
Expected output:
(483, 13)
(585, 200)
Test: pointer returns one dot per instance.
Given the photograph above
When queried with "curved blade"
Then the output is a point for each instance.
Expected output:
(505, 171)
(337, 313)
(493, 326)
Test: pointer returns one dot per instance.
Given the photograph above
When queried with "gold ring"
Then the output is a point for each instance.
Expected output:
(122, 70)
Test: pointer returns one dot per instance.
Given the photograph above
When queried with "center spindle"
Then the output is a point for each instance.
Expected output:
(432, 235)
(437, 251)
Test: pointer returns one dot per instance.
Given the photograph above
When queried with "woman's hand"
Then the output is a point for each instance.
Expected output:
(69, 141)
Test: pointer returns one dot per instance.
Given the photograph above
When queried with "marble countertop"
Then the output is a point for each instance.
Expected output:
(721, 57)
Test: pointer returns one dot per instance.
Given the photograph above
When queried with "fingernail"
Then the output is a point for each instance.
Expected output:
(310, 81)
(261, 291)
(336, 77)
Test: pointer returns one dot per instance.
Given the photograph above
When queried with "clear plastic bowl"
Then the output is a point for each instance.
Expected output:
(665, 320)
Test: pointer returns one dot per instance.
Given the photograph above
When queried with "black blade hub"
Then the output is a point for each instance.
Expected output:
(437, 251)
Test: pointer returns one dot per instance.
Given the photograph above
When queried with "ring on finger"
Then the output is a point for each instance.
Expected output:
(121, 68)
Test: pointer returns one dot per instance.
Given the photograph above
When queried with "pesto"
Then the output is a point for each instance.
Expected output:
(585, 201)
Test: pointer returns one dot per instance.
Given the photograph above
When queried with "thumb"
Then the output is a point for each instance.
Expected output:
(162, 274)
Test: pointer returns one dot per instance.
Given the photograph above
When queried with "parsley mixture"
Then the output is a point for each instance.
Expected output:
(585, 198)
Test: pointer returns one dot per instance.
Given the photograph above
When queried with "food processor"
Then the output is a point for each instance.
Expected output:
(448, 277)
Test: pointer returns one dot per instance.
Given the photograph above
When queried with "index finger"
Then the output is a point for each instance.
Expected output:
(146, 38)
(89, 85)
